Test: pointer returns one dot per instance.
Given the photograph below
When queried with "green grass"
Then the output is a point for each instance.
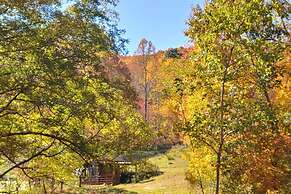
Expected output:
(172, 180)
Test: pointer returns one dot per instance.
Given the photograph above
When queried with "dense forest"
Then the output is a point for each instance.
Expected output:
(70, 97)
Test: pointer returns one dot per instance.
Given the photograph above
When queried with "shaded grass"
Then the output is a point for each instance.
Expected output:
(105, 190)
(85, 190)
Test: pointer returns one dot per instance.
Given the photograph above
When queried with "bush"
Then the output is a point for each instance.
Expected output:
(142, 171)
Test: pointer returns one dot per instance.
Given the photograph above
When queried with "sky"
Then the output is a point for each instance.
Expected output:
(161, 21)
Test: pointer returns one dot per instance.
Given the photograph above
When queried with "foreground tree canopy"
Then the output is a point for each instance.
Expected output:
(240, 47)
(63, 96)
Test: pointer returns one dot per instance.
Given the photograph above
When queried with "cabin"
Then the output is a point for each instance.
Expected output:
(102, 172)
(99, 173)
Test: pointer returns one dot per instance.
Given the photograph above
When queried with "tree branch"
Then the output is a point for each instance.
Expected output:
(9, 102)
(63, 140)
(26, 160)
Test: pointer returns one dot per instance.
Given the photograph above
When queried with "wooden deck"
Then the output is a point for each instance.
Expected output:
(97, 180)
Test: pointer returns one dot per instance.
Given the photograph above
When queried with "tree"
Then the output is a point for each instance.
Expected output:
(238, 46)
(146, 52)
(57, 97)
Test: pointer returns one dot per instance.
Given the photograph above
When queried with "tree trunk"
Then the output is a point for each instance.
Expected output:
(218, 166)
(80, 181)
(221, 143)
(146, 104)
(29, 184)
(44, 189)
(145, 89)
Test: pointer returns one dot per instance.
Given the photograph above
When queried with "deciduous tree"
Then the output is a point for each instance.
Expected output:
(238, 45)
(57, 97)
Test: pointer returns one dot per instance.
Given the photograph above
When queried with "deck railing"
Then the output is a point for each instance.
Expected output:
(97, 180)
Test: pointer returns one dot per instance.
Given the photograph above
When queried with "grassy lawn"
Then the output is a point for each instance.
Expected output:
(172, 180)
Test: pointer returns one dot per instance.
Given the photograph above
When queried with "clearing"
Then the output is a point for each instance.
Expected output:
(171, 181)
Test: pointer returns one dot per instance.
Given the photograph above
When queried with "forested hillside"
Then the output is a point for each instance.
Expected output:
(75, 110)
